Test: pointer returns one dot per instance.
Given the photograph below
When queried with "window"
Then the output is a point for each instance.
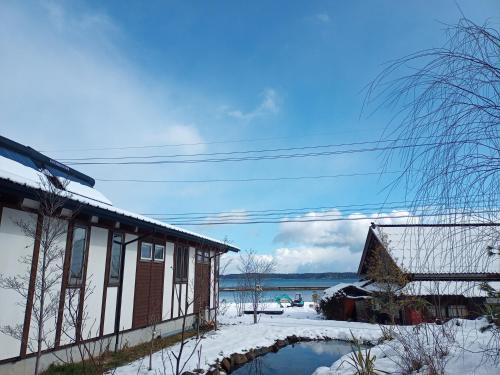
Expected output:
(202, 256)
(159, 253)
(181, 263)
(146, 251)
(436, 312)
(78, 248)
(457, 311)
(115, 260)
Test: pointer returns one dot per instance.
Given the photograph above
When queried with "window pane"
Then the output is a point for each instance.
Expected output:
(159, 251)
(181, 263)
(116, 254)
(146, 250)
(77, 254)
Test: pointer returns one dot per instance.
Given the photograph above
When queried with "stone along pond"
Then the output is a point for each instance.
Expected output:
(301, 358)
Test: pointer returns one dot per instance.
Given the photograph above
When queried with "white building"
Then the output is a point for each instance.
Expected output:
(119, 272)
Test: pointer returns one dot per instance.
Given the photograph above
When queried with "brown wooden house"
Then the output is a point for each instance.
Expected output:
(445, 265)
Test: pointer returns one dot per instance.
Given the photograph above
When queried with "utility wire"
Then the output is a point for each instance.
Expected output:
(266, 157)
(132, 147)
(238, 152)
(422, 202)
(283, 178)
(299, 216)
(403, 205)
(286, 220)
(312, 147)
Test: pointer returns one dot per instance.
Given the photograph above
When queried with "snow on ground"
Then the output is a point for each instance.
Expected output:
(465, 351)
(239, 334)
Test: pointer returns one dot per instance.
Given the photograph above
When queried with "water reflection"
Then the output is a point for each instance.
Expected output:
(300, 358)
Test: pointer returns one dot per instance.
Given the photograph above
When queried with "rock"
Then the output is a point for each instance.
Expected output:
(250, 355)
(280, 343)
(261, 351)
(238, 360)
(213, 371)
(293, 339)
(226, 365)
(188, 373)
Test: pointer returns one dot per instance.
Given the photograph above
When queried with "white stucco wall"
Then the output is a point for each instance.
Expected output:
(68, 327)
(110, 311)
(190, 284)
(13, 245)
(212, 280)
(176, 300)
(50, 324)
(127, 308)
(167, 281)
(96, 268)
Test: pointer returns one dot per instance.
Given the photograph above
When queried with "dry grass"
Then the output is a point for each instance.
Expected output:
(111, 360)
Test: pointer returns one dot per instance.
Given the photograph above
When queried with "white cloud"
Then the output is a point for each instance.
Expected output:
(329, 246)
(326, 246)
(186, 136)
(237, 215)
(347, 233)
(305, 259)
(322, 17)
(270, 104)
(67, 84)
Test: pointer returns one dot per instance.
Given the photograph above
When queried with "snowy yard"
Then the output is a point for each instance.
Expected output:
(239, 334)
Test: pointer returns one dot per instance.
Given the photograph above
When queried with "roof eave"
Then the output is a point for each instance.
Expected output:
(87, 208)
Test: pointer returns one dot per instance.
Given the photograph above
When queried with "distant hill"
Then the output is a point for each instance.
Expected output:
(302, 276)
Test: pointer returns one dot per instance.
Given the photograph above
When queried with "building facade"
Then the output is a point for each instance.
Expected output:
(444, 266)
(116, 274)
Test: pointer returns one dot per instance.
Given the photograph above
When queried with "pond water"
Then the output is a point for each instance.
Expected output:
(300, 359)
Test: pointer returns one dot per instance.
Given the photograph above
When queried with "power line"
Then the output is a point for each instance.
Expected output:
(285, 220)
(303, 216)
(286, 211)
(283, 178)
(312, 147)
(231, 152)
(266, 157)
(132, 147)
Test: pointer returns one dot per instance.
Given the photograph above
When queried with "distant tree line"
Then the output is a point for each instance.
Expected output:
(297, 276)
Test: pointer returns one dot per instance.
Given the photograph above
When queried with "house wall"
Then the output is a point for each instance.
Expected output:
(94, 286)
(212, 279)
(191, 282)
(129, 269)
(128, 339)
(168, 281)
(50, 324)
(13, 245)
(99, 300)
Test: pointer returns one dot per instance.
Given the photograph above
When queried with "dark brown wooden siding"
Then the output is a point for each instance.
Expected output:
(148, 294)
(202, 287)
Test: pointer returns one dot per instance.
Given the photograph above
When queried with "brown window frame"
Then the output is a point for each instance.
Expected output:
(181, 264)
(76, 282)
(112, 281)
(162, 259)
(141, 258)
(202, 256)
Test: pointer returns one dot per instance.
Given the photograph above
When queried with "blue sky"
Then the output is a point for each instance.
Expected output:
(118, 73)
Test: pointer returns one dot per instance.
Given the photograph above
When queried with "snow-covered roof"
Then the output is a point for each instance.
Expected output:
(447, 288)
(26, 176)
(340, 289)
(419, 249)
